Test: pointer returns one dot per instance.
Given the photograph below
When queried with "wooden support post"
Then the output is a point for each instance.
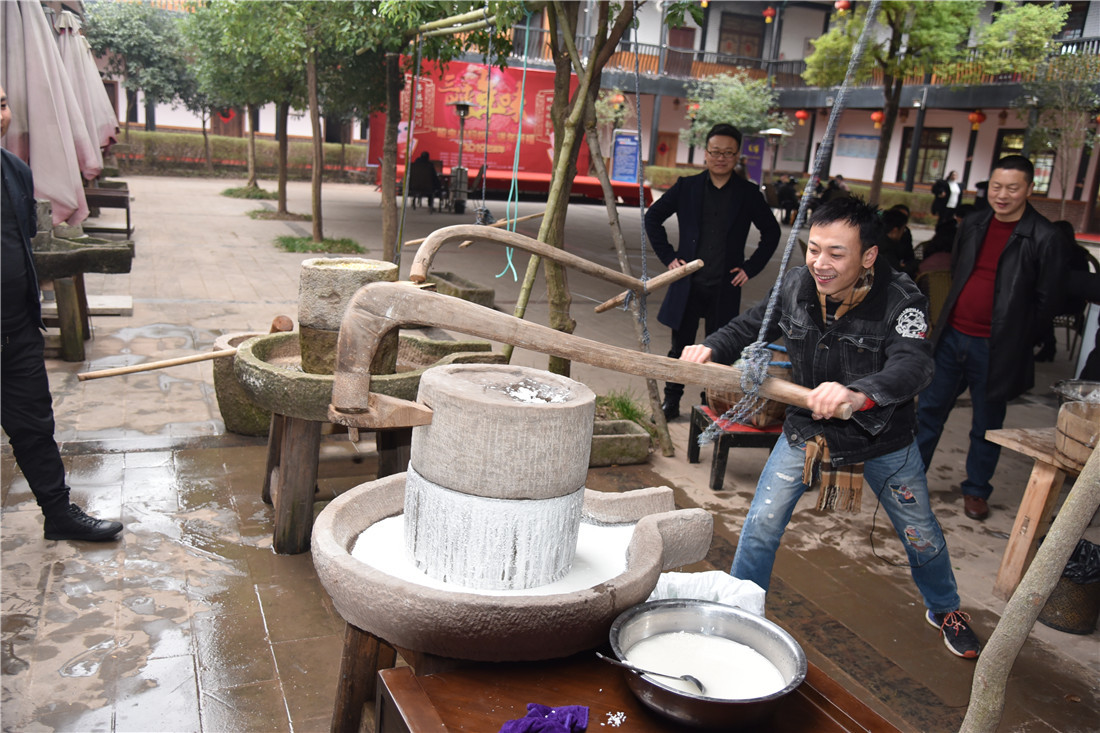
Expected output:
(82, 303)
(274, 449)
(1043, 489)
(295, 484)
(69, 319)
(364, 654)
(394, 450)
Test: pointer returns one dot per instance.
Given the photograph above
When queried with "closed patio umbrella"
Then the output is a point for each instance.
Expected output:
(43, 110)
(91, 96)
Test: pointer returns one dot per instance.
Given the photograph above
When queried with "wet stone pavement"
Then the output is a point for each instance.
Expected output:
(190, 622)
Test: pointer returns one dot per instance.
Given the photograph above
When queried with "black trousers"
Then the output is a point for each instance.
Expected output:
(26, 414)
(704, 305)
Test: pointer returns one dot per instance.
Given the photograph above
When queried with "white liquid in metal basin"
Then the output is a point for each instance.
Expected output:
(601, 556)
(727, 669)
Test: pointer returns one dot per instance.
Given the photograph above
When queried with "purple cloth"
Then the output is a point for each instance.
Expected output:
(544, 719)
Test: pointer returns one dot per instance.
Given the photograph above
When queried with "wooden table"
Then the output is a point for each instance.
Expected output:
(482, 697)
(1033, 516)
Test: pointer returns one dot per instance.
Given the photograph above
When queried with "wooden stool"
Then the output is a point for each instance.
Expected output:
(733, 435)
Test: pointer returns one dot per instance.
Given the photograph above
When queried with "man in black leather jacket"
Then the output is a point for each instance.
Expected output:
(714, 210)
(855, 331)
(1007, 267)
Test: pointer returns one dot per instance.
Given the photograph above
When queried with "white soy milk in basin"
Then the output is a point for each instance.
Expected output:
(728, 670)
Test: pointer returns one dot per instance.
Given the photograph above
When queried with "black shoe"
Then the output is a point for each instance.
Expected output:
(74, 524)
(670, 409)
(958, 637)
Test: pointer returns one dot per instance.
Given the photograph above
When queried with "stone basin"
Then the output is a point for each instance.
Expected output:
(486, 627)
(58, 258)
(269, 369)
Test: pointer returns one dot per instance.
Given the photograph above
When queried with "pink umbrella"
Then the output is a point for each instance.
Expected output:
(91, 95)
(41, 99)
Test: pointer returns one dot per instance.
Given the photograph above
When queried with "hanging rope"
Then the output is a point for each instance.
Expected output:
(482, 211)
(408, 154)
(755, 357)
(641, 188)
(511, 210)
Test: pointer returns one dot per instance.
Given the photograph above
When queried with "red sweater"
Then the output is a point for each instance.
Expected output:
(973, 311)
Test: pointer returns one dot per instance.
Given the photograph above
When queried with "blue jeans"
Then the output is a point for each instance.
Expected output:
(896, 479)
(962, 361)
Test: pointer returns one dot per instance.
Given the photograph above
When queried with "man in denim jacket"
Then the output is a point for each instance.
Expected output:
(856, 335)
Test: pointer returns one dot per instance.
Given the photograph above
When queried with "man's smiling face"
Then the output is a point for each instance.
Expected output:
(834, 258)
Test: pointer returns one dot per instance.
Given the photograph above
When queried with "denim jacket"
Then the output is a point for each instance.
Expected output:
(878, 348)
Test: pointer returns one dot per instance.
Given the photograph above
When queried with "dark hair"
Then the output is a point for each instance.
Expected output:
(724, 129)
(903, 208)
(1016, 163)
(854, 212)
(893, 219)
(1066, 229)
(964, 210)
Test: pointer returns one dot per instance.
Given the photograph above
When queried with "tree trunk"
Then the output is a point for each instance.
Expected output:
(389, 158)
(206, 144)
(667, 448)
(282, 114)
(251, 149)
(318, 167)
(891, 96)
(987, 694)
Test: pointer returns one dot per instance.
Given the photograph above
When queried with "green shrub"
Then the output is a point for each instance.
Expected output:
(663, 178)
(326, 246)
(179, 153)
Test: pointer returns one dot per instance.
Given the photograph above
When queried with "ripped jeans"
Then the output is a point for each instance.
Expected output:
(897, 479)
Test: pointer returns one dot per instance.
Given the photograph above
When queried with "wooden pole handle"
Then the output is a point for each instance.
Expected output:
(150, 366)
(495, 225)
(655, 283)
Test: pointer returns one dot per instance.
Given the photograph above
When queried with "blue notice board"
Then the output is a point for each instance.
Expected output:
(625, 156)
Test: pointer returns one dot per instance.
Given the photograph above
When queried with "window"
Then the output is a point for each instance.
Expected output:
(931, 155)
(1011, 142)
(741, 35)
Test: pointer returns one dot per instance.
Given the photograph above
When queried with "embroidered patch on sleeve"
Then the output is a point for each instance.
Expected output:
(911, 324)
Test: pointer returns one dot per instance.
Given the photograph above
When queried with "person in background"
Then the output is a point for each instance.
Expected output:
(948, 195)
(842, 299)
(1007, 270)
(937, 250)
(1077, 261)
(892, 246)
(981, 195)
(26, 406)
(788, 199)
(424, 180)
(714, 210)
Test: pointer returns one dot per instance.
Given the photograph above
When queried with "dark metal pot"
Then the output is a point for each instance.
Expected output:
(716, 619)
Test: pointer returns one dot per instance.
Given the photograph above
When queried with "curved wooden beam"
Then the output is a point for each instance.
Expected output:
(378, 308)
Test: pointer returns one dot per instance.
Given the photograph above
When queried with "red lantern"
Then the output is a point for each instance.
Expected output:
(769, 14)
(977, 117)
(618, 99)
(802, 115)
(693, 109)
(842, 6)
(877, 117)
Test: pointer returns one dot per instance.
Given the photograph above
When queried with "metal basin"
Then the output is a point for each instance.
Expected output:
(715, 619)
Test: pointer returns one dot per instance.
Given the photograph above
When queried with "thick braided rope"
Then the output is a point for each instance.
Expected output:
(754, 357)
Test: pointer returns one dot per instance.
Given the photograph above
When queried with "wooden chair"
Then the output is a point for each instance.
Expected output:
(734, 435)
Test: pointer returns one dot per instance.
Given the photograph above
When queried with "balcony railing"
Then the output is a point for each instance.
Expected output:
(688, 64)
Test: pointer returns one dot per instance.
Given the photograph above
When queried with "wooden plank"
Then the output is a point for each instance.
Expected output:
(98, 305)
(1042, 492)
(1035, 443)
(401, 693)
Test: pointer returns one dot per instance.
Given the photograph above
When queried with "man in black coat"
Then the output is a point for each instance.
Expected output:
(26, 406)
(1008, 266)
(714, 209)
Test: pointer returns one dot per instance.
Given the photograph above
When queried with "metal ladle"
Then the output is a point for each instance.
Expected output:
(627, 665)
